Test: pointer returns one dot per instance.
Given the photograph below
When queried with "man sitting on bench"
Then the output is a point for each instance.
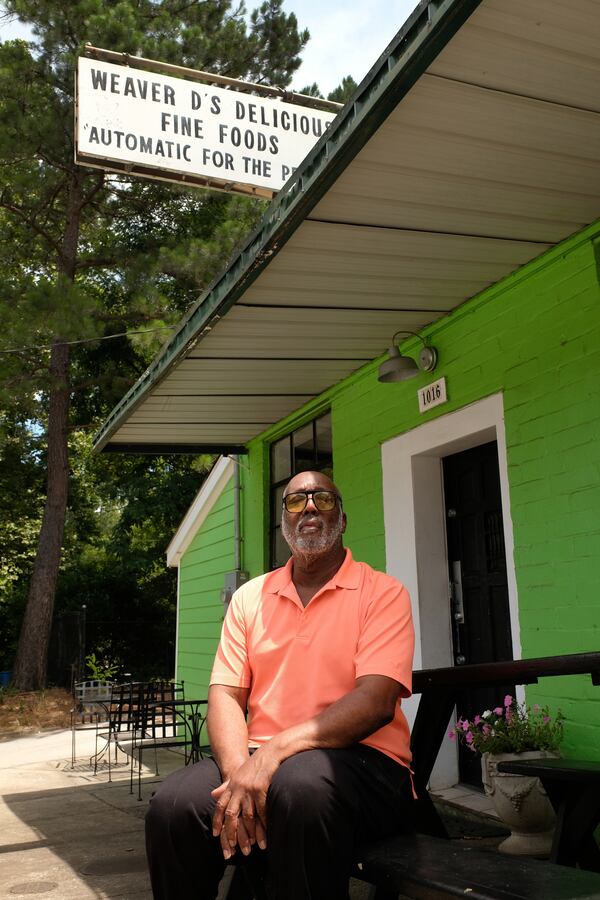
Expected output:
(318, 653)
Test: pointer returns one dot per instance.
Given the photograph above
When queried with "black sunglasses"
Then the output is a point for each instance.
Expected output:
(323, 500)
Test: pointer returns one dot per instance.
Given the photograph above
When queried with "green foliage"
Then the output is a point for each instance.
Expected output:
(101, 669)
(274, 52)
(85, 256)
(21, 478)
(311, 90)
(123, 513)
(203, 34)
(340, 94)
(21, 484)
(343, 91)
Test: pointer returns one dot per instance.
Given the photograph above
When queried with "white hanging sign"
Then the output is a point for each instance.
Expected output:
(146, 123)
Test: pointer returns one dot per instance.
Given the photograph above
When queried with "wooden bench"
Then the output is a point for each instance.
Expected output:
(427, 868)
(441, 688)
(427, 865)
(423, 867)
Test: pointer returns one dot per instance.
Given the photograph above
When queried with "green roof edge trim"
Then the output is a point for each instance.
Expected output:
(424, 34)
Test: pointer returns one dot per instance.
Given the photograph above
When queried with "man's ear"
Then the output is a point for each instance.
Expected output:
(344, 520)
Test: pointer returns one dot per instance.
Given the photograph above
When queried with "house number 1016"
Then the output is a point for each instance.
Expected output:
(432, 395)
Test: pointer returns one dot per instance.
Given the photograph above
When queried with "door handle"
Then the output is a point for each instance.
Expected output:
(458, 609)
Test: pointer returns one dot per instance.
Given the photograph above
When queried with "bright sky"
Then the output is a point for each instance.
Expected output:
(346, 37)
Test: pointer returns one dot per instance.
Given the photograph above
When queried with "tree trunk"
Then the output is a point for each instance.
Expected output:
(31, 662)
(32, 651)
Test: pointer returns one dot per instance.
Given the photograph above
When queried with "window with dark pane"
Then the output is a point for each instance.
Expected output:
(308, 447)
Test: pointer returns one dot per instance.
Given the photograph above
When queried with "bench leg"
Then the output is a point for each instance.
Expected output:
(577, 814)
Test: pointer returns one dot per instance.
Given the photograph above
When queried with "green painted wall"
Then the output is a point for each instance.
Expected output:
(535, 337)
(255, 509)
(201, 578)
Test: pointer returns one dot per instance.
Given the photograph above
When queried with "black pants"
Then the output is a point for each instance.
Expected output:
(320, 805)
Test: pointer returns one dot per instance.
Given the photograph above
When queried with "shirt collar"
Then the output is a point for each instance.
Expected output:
(347, 576)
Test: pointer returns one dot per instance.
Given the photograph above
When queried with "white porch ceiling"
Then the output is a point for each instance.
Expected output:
(491, 158)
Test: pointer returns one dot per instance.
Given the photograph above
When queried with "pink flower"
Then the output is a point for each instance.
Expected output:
(486, 729)
(469, 737)
(476, 720)
(452, 735)
(498, 710)
(508, 700)
(465, 726)
(546, 719)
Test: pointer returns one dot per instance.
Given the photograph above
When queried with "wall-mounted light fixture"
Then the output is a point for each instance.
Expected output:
(401, 368)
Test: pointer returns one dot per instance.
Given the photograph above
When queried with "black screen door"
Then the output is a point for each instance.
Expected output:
(479, 593)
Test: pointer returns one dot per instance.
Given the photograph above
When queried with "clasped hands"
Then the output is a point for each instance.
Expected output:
(240, 814)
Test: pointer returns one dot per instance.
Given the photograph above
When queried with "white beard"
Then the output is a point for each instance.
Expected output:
(315, 544)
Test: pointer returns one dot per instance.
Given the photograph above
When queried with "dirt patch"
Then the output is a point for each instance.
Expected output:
(33, 711)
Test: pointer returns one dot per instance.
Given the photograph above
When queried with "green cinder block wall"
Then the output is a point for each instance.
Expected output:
(535, 337)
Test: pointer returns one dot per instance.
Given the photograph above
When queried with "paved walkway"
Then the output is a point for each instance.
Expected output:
(65, 833)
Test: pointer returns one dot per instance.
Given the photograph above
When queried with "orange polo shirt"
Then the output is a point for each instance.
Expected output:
(298, 660)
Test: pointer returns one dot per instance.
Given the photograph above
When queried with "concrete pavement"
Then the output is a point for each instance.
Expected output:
(67, 834)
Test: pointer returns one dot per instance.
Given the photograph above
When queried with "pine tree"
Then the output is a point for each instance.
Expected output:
(340, 94)
(85, 255)
(344, 90)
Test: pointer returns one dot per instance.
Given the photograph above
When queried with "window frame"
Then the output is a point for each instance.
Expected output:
(274, 487)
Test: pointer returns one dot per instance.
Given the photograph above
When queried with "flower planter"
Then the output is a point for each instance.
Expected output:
(521, 803)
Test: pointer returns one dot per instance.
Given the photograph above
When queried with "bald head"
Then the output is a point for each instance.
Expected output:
(308, 481)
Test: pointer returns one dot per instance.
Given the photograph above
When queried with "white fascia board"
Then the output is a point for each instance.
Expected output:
(203, 503)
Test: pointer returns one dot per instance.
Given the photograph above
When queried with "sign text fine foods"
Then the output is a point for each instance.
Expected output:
(168, 124)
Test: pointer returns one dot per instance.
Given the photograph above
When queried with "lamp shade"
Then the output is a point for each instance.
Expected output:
(397, 367)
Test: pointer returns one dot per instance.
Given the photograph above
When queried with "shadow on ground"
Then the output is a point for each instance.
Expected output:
(66, 834)
(79, 840)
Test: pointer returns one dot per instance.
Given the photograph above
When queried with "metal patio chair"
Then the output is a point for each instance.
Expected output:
(90, 708)
(162, 724)
(125, 708)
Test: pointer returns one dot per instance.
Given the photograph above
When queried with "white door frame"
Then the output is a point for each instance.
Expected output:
(415, 534)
